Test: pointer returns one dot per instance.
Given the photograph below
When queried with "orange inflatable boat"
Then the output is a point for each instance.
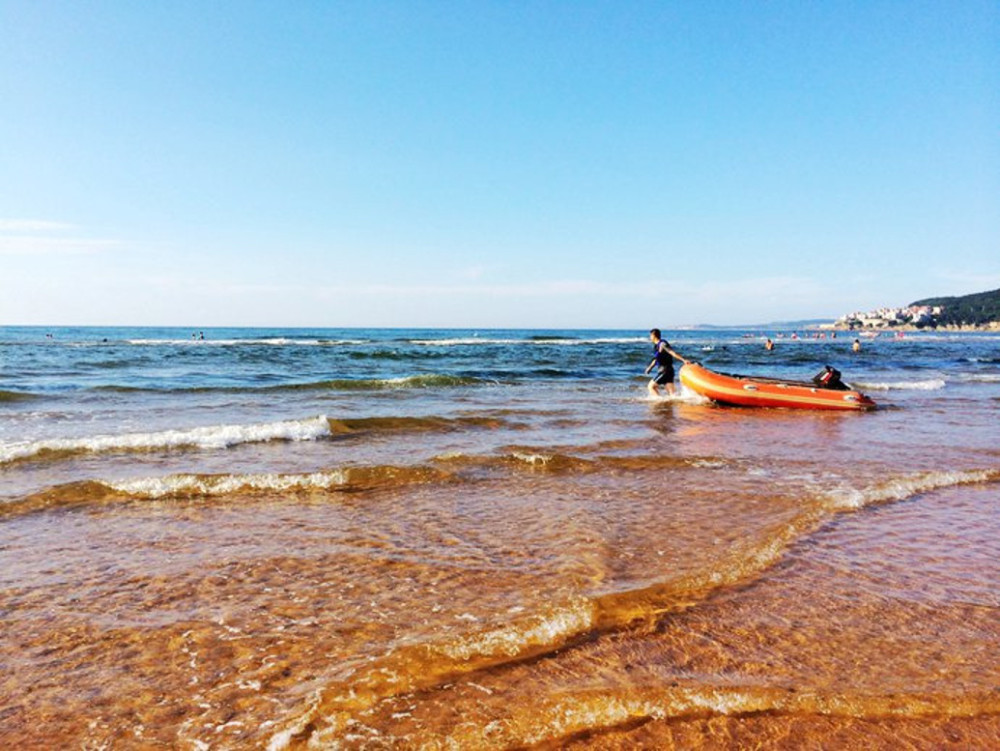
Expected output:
(753, 391)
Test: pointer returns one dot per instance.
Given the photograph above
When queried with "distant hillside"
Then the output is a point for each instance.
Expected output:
(967, 310)
(775, 325)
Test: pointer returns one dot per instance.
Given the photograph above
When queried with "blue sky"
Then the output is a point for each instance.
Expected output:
(475, 164)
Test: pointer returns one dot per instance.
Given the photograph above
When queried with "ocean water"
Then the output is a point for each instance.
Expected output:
(371, 538)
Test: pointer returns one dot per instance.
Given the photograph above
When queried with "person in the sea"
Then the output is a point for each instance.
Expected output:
(856, 347)
(663, 360)
(769, 345)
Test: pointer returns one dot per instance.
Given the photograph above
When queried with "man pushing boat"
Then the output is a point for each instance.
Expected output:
(663, 360)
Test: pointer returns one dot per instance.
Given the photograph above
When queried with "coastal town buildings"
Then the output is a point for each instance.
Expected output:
(914, 315)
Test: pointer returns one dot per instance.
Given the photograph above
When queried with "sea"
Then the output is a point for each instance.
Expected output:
(491, 539)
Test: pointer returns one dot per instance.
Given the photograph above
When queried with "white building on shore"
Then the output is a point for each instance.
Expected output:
(914, 315)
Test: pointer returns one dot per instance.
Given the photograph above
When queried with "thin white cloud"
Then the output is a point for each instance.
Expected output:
(34, 225)
(34, 245)
(34, 237)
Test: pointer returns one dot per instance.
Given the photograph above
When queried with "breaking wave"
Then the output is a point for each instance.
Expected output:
(415, 424)
(902, 488)
(16, 396)
(348, 478)
(183, 487)
(426, 381)
(208, 437)
(225, 436)
(931, 384)
(981, 377)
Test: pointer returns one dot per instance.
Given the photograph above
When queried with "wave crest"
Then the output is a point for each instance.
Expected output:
(424, 381)
(931, 384)
(207, 437)
(348, 478)
(902, 488)
(16, 396)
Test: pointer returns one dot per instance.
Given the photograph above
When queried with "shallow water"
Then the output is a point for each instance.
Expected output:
(492, 539)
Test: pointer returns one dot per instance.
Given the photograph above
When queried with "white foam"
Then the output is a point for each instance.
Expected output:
(532, 459)
(214, 485)
(902, 488)
(981, 377)
(682, 395)
(514, 639)
(208, 437)
(931, 384)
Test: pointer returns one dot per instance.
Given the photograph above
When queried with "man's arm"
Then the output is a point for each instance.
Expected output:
(676, 356)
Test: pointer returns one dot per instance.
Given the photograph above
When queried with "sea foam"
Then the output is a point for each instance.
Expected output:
(902, 488)
(207, 437)
(931, 384)
(214, 485)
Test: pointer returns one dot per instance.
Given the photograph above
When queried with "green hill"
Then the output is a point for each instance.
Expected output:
(967, 310)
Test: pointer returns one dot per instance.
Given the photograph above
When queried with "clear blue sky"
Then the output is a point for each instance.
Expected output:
(474, 164)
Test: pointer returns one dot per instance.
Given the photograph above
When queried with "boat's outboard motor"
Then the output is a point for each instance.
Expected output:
(829, 378)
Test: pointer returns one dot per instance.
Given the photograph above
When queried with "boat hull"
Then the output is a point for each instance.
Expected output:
(746, 391)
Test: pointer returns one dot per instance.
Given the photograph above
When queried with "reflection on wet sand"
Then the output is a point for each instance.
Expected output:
(540, 600)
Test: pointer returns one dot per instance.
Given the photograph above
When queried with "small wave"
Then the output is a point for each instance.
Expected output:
(398, 355)
(541, 460)
(209, 437)
(981, 377)
(547, 462)
(7, 397)
(414, 424)
(411, 667)
(427, 381)
(204, 486)
(347, 478)
(462, 341)
(903, 488)
(276, 341)
(527, 459)
(931, 384)
(219, 485)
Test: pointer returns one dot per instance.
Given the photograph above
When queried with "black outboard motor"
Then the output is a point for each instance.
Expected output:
(829, 378)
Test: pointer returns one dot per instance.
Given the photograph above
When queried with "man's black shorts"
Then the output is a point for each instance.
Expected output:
(664, 376)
